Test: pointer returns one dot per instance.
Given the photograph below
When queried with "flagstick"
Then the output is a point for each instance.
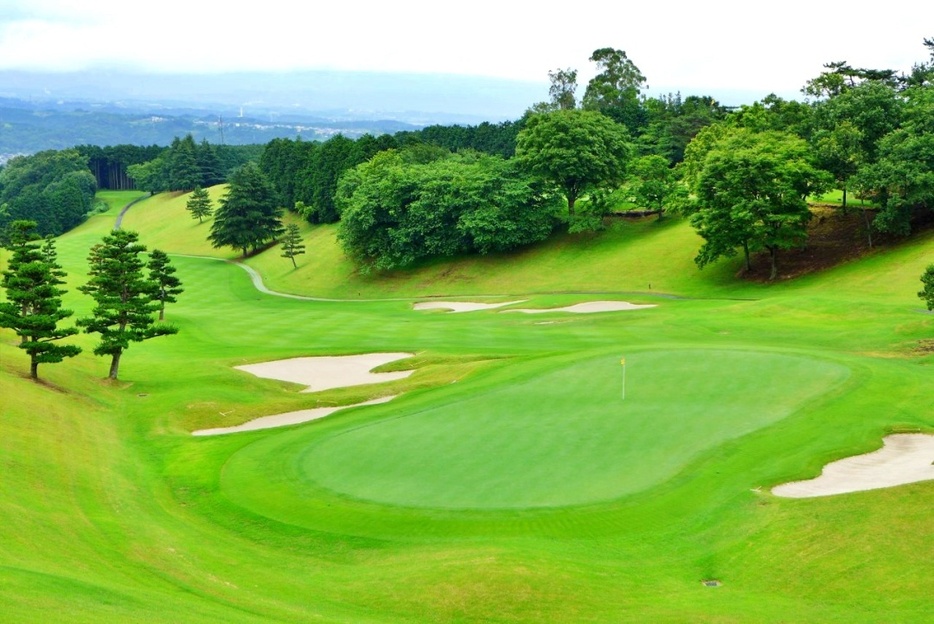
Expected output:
(624, 382)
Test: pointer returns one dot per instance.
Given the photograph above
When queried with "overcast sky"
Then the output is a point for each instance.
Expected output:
(695, 47)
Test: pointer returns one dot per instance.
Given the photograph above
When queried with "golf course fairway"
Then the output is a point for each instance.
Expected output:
(509, 480)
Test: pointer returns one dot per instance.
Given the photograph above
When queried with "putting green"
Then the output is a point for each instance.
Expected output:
(565, 436)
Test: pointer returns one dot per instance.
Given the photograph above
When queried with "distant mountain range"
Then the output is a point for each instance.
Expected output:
(58, 110)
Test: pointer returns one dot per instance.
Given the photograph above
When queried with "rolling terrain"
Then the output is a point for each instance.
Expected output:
(509, 481)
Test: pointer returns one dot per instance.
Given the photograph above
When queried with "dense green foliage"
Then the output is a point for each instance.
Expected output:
(125, 298)
(109, 164)
(54, 189)
(752, 192)
(576, 150)
(397, 208)
(182, 166)
(927, 292)
(165, 284)
(33, 307)
(199, 204)
(249, 214)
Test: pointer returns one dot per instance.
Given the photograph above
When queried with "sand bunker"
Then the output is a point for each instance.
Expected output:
(289, 418)
(324, 373)
(587, 308)
(461, 306)
(904, 458)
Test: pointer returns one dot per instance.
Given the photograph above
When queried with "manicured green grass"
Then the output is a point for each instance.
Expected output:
(509, 482)
(836, 197)
(564, 436)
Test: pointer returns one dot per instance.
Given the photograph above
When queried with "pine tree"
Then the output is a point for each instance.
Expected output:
(249, 215)
(292, 244)
(124, 297)
(165, 284)
(33, 308)
(199, 204)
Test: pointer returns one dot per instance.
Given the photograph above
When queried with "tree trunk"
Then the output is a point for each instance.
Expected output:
(572, 198)
(774, 273)
(162, 312)
(746, 254)
(34, 369)
(868, 226)
(115, 364)
(292, 258)
(844, 198)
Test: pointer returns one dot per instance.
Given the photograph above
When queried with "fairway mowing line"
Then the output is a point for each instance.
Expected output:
(455, 307)
(286, 419)
(329, 372)
(588, 307)
(904, 458)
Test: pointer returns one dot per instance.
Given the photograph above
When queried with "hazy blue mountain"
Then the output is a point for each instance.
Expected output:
(58, 110)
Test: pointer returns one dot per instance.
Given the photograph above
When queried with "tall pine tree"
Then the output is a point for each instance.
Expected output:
(249, 215)
(33, 308)
(165, 285)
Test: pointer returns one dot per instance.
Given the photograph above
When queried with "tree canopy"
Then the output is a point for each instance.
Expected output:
(54, 189)
(398, 207)
(751, 193)
(249, 214)
(576, 150)
(33, 306)
(124, 297)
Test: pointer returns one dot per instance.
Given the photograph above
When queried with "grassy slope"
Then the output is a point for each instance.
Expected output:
(111, 512)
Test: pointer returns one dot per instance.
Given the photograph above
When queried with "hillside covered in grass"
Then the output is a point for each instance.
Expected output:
(113, 511)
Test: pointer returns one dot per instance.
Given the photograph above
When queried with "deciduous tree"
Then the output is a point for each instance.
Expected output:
(927, 293)
(751, 193)
(123, 296)
(576, 150)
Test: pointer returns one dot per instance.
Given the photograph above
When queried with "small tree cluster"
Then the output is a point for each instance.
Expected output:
(126, 298)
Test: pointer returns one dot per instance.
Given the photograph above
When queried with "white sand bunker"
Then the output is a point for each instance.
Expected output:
(904, 458)
(283, 420)
(325, 373)
(461, 306)
(587, 308)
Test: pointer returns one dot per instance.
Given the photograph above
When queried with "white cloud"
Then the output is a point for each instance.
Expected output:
(720, 44)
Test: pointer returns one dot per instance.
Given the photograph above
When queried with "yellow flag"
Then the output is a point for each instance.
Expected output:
(623, 361)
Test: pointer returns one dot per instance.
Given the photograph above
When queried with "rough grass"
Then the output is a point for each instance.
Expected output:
(112, 512)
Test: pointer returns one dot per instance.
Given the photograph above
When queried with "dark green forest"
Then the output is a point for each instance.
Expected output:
(742, 176)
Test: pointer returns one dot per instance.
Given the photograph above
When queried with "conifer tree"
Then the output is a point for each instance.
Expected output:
(124, 297)
(33, 308)
(164, 283)
(249, 215)
(292, 244)
(199, 204)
